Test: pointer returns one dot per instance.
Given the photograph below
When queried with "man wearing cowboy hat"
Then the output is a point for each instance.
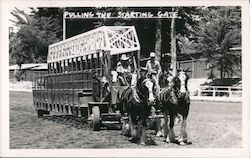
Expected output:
(124, 70)
(154, 69)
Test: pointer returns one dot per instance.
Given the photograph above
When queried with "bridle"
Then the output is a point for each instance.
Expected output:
(176, 93)
(153, 87)
(143, 97)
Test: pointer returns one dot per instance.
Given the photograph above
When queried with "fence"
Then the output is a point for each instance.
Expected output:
(28, 75)
(219, 93)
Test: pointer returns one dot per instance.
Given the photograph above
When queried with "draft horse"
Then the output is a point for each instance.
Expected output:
(175, 101)
(135, 101)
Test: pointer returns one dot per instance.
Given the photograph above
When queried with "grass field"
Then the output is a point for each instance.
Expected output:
(210, 125)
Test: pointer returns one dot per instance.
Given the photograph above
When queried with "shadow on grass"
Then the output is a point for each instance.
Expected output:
(77, 122)
(68, 120)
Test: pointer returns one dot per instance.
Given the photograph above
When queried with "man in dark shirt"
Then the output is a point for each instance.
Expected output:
(124, 70)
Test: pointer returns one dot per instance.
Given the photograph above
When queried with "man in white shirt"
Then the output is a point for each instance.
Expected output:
(154, 69)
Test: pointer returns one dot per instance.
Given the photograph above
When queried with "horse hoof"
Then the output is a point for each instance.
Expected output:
(182, 143)
(188, 142)
(174, 141)
(126, 134)
(149, 141)
(167, 141)
(143, 143)
(159, 134)
(134, 140)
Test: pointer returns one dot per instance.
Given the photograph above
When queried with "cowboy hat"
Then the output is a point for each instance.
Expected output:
(152, 54)
(124, 57)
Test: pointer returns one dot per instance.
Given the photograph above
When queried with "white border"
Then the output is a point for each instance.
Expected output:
(168, 152)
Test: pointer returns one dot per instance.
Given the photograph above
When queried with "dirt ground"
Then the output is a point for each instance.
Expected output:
(210, 125)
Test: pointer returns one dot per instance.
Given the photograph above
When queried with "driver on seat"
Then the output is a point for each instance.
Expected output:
(124, 70)
(154, 70)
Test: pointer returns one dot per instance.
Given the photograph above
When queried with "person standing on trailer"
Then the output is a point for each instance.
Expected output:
(170, 75)
(124, 70)
(154, 70)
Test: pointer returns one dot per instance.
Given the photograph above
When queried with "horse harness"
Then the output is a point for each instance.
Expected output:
(173, 95)
(137, 95)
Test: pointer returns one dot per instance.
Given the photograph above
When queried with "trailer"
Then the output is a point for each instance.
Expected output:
(79, 80)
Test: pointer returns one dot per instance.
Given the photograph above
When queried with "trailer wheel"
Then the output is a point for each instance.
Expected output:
(96, 121)
(126, 129)
(40, 113)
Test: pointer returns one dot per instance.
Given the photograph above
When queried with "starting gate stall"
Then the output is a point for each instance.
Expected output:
(79, 74)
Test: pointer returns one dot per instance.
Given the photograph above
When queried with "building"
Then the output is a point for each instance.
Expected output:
(30, 71)
(198, 68)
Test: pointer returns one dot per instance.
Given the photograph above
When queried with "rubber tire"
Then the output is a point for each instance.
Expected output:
(96, 121)
(40, 113)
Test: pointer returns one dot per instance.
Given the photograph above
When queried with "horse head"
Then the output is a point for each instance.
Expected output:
(180, 84)
(146, 87)
(164, 79)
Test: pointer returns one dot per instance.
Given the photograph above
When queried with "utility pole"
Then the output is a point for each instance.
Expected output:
(173, 46)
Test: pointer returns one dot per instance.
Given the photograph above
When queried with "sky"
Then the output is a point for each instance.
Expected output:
(11, 17)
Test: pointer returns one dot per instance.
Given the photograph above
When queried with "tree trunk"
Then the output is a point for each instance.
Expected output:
(158, 39)
(221, 72)
(173, 47)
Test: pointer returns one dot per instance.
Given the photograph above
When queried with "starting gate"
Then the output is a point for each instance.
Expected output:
(79, 74)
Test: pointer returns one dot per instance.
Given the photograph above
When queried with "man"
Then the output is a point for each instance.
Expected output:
(154, 70)
(124, 70)
(170, 75)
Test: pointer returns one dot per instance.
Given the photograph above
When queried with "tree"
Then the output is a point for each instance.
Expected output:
(30, 43)
(55, 14)
(158, 39)
(218, 31)
(177, 29)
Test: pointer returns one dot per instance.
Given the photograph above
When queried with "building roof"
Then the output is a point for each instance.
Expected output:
(235, 48)
(41, 67)
(28, 66)
(13, 67)
(183, 56)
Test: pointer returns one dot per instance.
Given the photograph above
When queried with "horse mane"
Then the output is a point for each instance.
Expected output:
(141, 78)
(142, 89)
(163, 82)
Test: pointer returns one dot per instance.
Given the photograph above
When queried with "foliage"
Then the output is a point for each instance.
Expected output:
(30, 42)
(55, 15)
(219, 30)
(188, 20)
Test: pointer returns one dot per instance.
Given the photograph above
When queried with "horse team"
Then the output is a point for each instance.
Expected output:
(137, 101)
